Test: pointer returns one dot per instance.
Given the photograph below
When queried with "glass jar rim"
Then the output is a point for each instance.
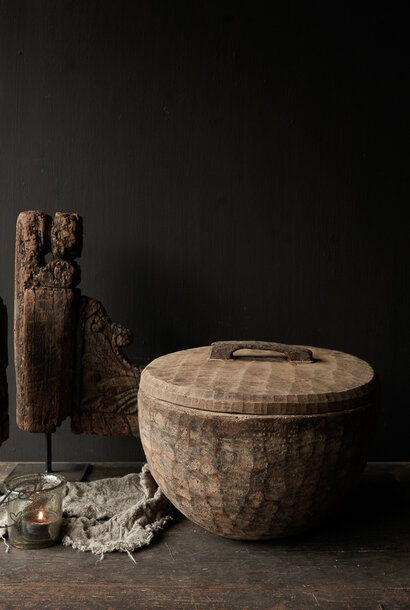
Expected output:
(12, 484)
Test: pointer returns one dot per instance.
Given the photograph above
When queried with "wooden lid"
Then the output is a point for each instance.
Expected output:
(306, 380)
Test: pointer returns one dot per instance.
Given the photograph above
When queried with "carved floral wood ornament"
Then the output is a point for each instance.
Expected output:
(68, 353)
(4, 417)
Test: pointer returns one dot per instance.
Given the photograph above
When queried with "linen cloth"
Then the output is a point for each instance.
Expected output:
(115, 514)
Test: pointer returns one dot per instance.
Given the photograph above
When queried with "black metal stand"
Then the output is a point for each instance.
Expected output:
(72, 471)
(49, 467)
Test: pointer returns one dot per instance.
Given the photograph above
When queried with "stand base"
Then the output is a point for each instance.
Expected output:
(71, 471)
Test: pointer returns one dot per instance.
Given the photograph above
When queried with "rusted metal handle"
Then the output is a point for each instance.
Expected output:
(223, 350)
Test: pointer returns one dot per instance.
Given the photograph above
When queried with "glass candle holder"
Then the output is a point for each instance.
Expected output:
(34, 509)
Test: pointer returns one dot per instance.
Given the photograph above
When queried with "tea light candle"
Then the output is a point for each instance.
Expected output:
(39, 525)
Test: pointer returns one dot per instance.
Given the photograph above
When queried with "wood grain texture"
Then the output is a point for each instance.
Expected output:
(106, 382)
(4, 415)
(261, 383)
(68, 353)
(254, 477)
(46, 303)
(359, 559)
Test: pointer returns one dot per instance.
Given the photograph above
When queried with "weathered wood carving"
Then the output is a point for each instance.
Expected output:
(46, 303)
(67, 352)
(107, 383)
(4, 417)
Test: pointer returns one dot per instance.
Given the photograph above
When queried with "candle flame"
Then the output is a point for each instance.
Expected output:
(40, 515)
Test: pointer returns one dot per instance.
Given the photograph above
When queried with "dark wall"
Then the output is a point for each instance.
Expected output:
(240, 175)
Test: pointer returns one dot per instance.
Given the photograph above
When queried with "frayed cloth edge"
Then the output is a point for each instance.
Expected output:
(6, 544)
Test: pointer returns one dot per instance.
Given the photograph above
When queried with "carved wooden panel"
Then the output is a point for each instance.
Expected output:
(67, 352)
(4, 417)
(106, 382)
(46, 304)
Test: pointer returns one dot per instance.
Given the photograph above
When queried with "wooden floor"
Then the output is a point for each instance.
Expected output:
(359, 559)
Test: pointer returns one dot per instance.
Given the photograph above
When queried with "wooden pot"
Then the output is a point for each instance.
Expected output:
(259, 445)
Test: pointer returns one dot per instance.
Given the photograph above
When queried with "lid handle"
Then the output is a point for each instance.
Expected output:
(223, 350)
